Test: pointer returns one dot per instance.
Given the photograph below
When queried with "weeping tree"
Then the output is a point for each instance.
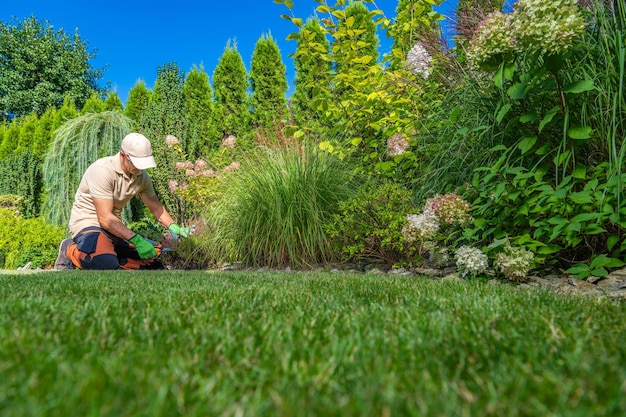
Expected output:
(76, 145)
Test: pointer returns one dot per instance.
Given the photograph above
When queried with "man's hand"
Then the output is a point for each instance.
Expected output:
(144, 247)
(177, 231)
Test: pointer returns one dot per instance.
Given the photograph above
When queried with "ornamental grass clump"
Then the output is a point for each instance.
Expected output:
(515, 262)
(272, 212)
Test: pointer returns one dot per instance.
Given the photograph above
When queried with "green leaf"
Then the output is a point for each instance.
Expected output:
(585, 217)
(580, 132)
(503, 111)
(579, 87)
(548, 117)
(517, 91)
(577, 269)
(611, 241)
(527, 143)
(580, 172)
(581, 197)
(531, 116)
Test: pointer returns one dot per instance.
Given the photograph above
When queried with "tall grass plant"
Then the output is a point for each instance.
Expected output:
(273, 210)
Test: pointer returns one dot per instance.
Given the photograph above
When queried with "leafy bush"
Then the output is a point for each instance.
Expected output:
(368, 226)
(23, 240)
(273, 210)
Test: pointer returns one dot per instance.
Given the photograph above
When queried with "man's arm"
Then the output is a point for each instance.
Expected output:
(158, 211)
(108, 220)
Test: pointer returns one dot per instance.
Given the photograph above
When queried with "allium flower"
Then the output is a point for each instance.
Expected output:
(471, 260)
(171, 140)
(208, 173)
(172, 185)
(515, 262)
(493, 40)
(552, 26)
(418, 60)
(229, 141)
(449, 208)
(420, 227)
(184, 165)
(184, 185)
(397, 145)
(190, 173)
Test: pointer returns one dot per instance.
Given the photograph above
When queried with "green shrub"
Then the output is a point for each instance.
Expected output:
(23, 240)
(273, 210)
(368, 226)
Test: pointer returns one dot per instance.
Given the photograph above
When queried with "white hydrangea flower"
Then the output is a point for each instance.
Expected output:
(471, 260)
(418, 60)
(420, 227)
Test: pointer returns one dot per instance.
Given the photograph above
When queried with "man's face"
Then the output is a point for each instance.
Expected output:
(128, 166)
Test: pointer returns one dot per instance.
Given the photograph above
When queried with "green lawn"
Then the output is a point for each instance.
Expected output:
(186, 343)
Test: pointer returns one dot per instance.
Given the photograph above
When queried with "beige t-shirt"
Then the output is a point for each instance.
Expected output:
(105, 179)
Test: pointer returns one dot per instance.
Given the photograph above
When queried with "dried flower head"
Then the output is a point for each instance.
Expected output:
(171, 140)
(449, 208)
(200, 165)
(397, 145)
(172, 185)
(229, 141)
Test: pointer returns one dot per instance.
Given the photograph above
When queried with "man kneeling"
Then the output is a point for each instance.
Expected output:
(100, 240)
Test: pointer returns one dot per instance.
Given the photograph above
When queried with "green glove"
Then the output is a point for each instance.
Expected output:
(176, 231)
(144, 248)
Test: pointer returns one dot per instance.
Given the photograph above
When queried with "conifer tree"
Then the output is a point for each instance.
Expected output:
(201, 133)
(138, 99)
(44, 133)
(65, 113)
(268, 82)
(230, 88)
(28, 126)
(165, 116)
(113, 102)
(312, 72)
(94, 104)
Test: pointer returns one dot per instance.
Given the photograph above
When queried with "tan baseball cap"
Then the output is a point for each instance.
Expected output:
(138, 148)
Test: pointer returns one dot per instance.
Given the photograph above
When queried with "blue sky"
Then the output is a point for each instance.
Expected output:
(132, 38)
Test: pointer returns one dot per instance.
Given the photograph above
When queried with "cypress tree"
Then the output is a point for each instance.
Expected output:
(113, 102)
(165, 116)
(312, 72)
(201, 133)
(230, 85)
(138, 100)
(94, 104)
(44, 133)
(268, 82)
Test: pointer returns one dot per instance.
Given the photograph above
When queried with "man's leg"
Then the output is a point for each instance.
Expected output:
(93, 249)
